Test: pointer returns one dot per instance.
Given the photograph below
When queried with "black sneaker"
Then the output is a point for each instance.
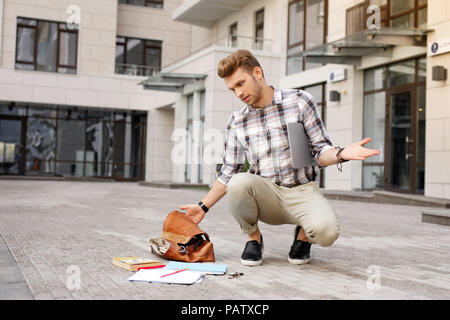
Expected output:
(300, 250)
(252, 255)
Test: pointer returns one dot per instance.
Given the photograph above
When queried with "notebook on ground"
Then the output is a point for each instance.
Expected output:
(156, 275)
(208, 268)
(134, 263)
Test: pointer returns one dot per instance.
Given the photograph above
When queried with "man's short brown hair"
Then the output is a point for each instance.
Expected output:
(238, 59)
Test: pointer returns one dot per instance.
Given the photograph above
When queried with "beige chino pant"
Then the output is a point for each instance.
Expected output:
(253, 198)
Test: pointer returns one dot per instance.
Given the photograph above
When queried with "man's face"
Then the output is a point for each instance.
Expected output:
(245, 86)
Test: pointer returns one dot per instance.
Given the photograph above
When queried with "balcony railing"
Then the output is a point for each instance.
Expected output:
(356, 18)
(245, 42)
(135, 70)
(232, 41)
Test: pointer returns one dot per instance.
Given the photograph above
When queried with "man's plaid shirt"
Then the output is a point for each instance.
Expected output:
(261, 136)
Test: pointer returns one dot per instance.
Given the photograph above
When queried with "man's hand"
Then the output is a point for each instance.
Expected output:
(356, 151)
(194, 212)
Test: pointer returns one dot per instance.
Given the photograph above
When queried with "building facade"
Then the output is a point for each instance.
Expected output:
(138, 81)
(202, 103)
(378, 66)
(69, 100)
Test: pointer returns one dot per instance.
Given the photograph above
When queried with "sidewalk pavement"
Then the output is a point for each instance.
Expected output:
(64, 234)
(12, 283)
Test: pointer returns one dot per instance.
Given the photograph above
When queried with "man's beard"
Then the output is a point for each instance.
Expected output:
(258, 92)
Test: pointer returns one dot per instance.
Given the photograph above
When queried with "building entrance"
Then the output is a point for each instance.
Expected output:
(50, 140)
(394, 116)
(12, 144)
(401, 135)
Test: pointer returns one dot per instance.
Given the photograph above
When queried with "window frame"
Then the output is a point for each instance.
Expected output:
(148, 4)
(61, 28)
(233, 34)
(258, 27)
(415, 10)
(69, 31)
(302, 43)
(145, 46)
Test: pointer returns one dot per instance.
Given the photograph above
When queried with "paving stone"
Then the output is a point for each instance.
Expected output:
(51, 228)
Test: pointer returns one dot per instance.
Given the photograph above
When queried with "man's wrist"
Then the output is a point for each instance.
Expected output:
(340, 160)
(339, 155)
(203, 206)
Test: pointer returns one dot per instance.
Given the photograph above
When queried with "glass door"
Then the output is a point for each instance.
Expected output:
(12, 144)
(401, 135)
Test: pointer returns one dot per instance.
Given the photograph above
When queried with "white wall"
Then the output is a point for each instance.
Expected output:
(344, 122)
(437, 145)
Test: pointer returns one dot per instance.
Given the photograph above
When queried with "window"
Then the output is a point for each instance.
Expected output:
(233, 37)
(77, 141)
(375, 79)
(138, 57)
(394, 13)
(375, 83)
(307, 29)
(402, 73)
(46, 46)
(315, 22)
(159, 4)
(259, 29)
(408, 13)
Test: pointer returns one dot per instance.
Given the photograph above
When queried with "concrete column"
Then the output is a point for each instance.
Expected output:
(159, 145)
(196, 138)
(148, 151)
(357, 124)
(1, 29)
(180, 124)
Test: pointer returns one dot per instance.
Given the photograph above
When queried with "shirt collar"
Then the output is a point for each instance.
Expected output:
(277, 96)
(275, 100)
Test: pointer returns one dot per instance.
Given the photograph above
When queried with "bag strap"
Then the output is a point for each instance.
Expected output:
(196, 241)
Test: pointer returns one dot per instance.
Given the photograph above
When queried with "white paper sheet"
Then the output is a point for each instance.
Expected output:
(154, 275)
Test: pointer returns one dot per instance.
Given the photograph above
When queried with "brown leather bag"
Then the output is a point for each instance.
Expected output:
(182, 240)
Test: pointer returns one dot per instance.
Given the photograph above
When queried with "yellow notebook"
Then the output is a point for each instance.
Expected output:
(133, 263)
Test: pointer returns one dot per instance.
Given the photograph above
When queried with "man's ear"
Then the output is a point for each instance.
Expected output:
(257, 73)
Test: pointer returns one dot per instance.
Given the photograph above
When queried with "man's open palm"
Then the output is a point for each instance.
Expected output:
(356, 151)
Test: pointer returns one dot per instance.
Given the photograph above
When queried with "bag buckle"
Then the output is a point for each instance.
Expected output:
(195, 241)
(182, 250)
